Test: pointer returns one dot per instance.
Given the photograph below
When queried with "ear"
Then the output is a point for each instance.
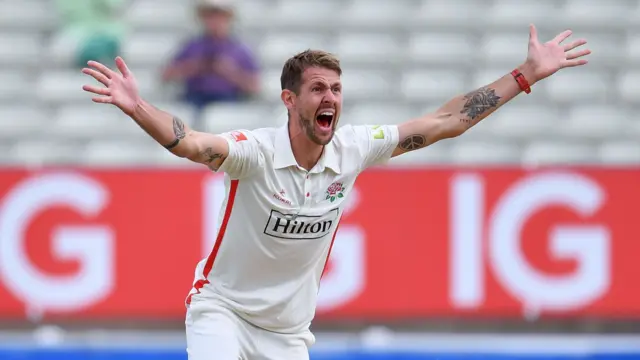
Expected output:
(288, 98)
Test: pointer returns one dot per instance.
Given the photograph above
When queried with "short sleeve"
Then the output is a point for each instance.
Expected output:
(248, 61)
(376, 143)
(245, 155)
(187, 51)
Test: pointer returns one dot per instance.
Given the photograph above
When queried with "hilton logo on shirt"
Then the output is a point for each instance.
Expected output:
(300, 227)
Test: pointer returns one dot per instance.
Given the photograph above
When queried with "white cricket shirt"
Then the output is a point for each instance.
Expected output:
(278, 222)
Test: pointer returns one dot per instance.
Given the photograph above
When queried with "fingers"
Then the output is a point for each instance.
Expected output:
(96, 75)
(102, 100)
(533, 33)
(578, 54)
(574, 44)
(124, 70)
(575, 62)
(562, 36)
(103, 69)
(97, 90)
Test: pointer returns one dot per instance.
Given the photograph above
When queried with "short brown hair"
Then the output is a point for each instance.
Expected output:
(291, 77)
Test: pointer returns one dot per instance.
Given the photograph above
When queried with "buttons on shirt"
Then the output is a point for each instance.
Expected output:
(307, 188)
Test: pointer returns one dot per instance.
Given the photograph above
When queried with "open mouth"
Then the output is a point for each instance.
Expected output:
(325, 119)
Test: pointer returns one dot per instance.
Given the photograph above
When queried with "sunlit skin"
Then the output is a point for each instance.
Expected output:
(320, 92)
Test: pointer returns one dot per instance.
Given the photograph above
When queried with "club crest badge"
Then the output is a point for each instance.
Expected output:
(335, 191)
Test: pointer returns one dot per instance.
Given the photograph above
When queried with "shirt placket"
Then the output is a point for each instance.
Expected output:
(307, 189)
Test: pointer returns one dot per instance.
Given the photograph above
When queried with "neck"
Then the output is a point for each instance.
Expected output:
(306, 152)
(215, 36)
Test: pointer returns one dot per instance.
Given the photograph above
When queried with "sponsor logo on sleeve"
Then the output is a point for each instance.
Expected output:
(378, 133)
(238, 136)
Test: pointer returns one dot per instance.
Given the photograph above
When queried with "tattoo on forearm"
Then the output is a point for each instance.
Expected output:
(479, 101)
(413, 142)
(178, 131)
(467, 122)
(209, 157)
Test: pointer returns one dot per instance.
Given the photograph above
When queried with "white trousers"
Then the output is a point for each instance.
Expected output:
(216, 333)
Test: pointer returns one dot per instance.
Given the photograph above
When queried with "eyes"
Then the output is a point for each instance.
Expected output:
(318, 88)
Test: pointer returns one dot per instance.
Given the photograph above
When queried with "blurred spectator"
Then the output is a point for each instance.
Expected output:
(92, 28)
(215, 66)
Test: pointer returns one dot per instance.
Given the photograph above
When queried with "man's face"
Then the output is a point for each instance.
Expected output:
(216, 22)
(318, 104)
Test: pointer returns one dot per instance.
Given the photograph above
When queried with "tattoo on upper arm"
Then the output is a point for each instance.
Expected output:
(210, 157)
(178, 131)
(413, 142)
(178, 128)
(479, 101)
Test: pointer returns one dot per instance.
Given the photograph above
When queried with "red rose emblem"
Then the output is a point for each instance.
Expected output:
(335, 192)
(334, 188)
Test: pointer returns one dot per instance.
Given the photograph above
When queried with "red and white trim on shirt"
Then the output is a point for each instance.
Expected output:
(214, 252)
(326, 262)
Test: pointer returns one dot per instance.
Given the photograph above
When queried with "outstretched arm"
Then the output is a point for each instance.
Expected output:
(465, 111)
(174, 135)
(168, 130)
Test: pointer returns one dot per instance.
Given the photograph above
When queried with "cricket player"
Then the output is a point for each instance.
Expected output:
(254, 296)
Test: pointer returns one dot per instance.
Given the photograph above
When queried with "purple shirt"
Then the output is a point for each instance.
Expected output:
(208, 49)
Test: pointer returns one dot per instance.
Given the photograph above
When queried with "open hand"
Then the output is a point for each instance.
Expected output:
(120, 89)
(546, 59)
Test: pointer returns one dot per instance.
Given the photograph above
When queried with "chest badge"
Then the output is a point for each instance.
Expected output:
(335, 191)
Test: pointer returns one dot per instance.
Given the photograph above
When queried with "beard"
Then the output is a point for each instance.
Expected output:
(308, 124)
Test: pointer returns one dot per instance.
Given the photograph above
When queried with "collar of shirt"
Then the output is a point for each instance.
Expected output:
(283, 156)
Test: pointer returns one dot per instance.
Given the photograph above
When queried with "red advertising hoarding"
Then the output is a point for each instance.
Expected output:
(449, 242)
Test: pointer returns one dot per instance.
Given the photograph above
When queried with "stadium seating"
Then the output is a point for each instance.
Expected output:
(401, 58)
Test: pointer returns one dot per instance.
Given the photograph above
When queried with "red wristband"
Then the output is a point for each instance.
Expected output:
(522, 81)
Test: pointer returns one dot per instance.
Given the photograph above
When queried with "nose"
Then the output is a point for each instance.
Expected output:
(329, 98)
